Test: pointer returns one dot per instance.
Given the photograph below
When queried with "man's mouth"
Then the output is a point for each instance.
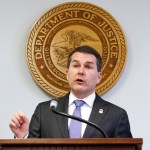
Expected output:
(80, 81)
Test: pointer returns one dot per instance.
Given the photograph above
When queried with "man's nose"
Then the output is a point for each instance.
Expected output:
(81, 70)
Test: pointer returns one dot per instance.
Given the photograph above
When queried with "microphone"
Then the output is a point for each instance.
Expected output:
(53, 106)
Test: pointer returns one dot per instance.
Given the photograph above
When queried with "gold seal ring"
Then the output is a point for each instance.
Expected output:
(65, 27)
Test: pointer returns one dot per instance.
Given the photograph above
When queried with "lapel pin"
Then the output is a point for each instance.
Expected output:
(101, 111)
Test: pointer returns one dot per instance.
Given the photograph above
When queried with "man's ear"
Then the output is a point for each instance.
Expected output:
(67, 74)
(99, 77)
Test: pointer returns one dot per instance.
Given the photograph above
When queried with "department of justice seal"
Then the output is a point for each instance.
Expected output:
(66, 27)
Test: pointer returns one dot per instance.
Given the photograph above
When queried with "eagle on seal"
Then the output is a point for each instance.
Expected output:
(72, 39)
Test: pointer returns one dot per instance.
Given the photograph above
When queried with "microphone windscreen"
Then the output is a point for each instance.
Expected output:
(53, 104)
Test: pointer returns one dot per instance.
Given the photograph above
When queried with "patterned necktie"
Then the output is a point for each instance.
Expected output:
(75, 126)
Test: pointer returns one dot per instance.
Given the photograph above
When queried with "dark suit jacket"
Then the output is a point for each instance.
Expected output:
(46, 124)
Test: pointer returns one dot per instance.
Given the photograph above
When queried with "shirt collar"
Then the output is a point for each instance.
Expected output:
(89, 99)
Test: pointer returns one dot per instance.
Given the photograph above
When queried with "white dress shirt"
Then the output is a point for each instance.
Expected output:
(85, 109)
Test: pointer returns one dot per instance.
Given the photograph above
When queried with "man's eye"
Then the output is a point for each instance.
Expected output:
(88, 67)
(75, 66)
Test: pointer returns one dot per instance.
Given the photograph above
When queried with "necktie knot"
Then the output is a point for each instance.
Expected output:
(78, 103)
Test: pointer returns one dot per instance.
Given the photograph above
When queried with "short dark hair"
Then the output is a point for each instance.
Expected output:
(87, 50)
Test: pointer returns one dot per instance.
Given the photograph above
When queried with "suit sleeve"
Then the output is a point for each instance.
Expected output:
(34, 127)
(123, 127)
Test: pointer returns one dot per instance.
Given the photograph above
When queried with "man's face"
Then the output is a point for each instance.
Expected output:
(82, 74)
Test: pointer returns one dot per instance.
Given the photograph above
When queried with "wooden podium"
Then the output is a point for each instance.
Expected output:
(72, 144)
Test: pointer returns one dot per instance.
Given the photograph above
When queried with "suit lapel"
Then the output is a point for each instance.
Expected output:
(62, 120)
(98, 112)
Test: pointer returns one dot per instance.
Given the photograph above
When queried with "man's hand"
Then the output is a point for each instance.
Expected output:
(19, 125)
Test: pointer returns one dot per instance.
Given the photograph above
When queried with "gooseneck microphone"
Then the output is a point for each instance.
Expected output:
(53, 106)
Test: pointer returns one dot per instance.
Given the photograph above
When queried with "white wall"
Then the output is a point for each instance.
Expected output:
(18, 91)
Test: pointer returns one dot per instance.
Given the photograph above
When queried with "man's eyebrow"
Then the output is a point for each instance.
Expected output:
(90, 62)
(75, 61)
(87, 62)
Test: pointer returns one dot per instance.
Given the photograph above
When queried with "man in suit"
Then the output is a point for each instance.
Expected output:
(83, 73)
